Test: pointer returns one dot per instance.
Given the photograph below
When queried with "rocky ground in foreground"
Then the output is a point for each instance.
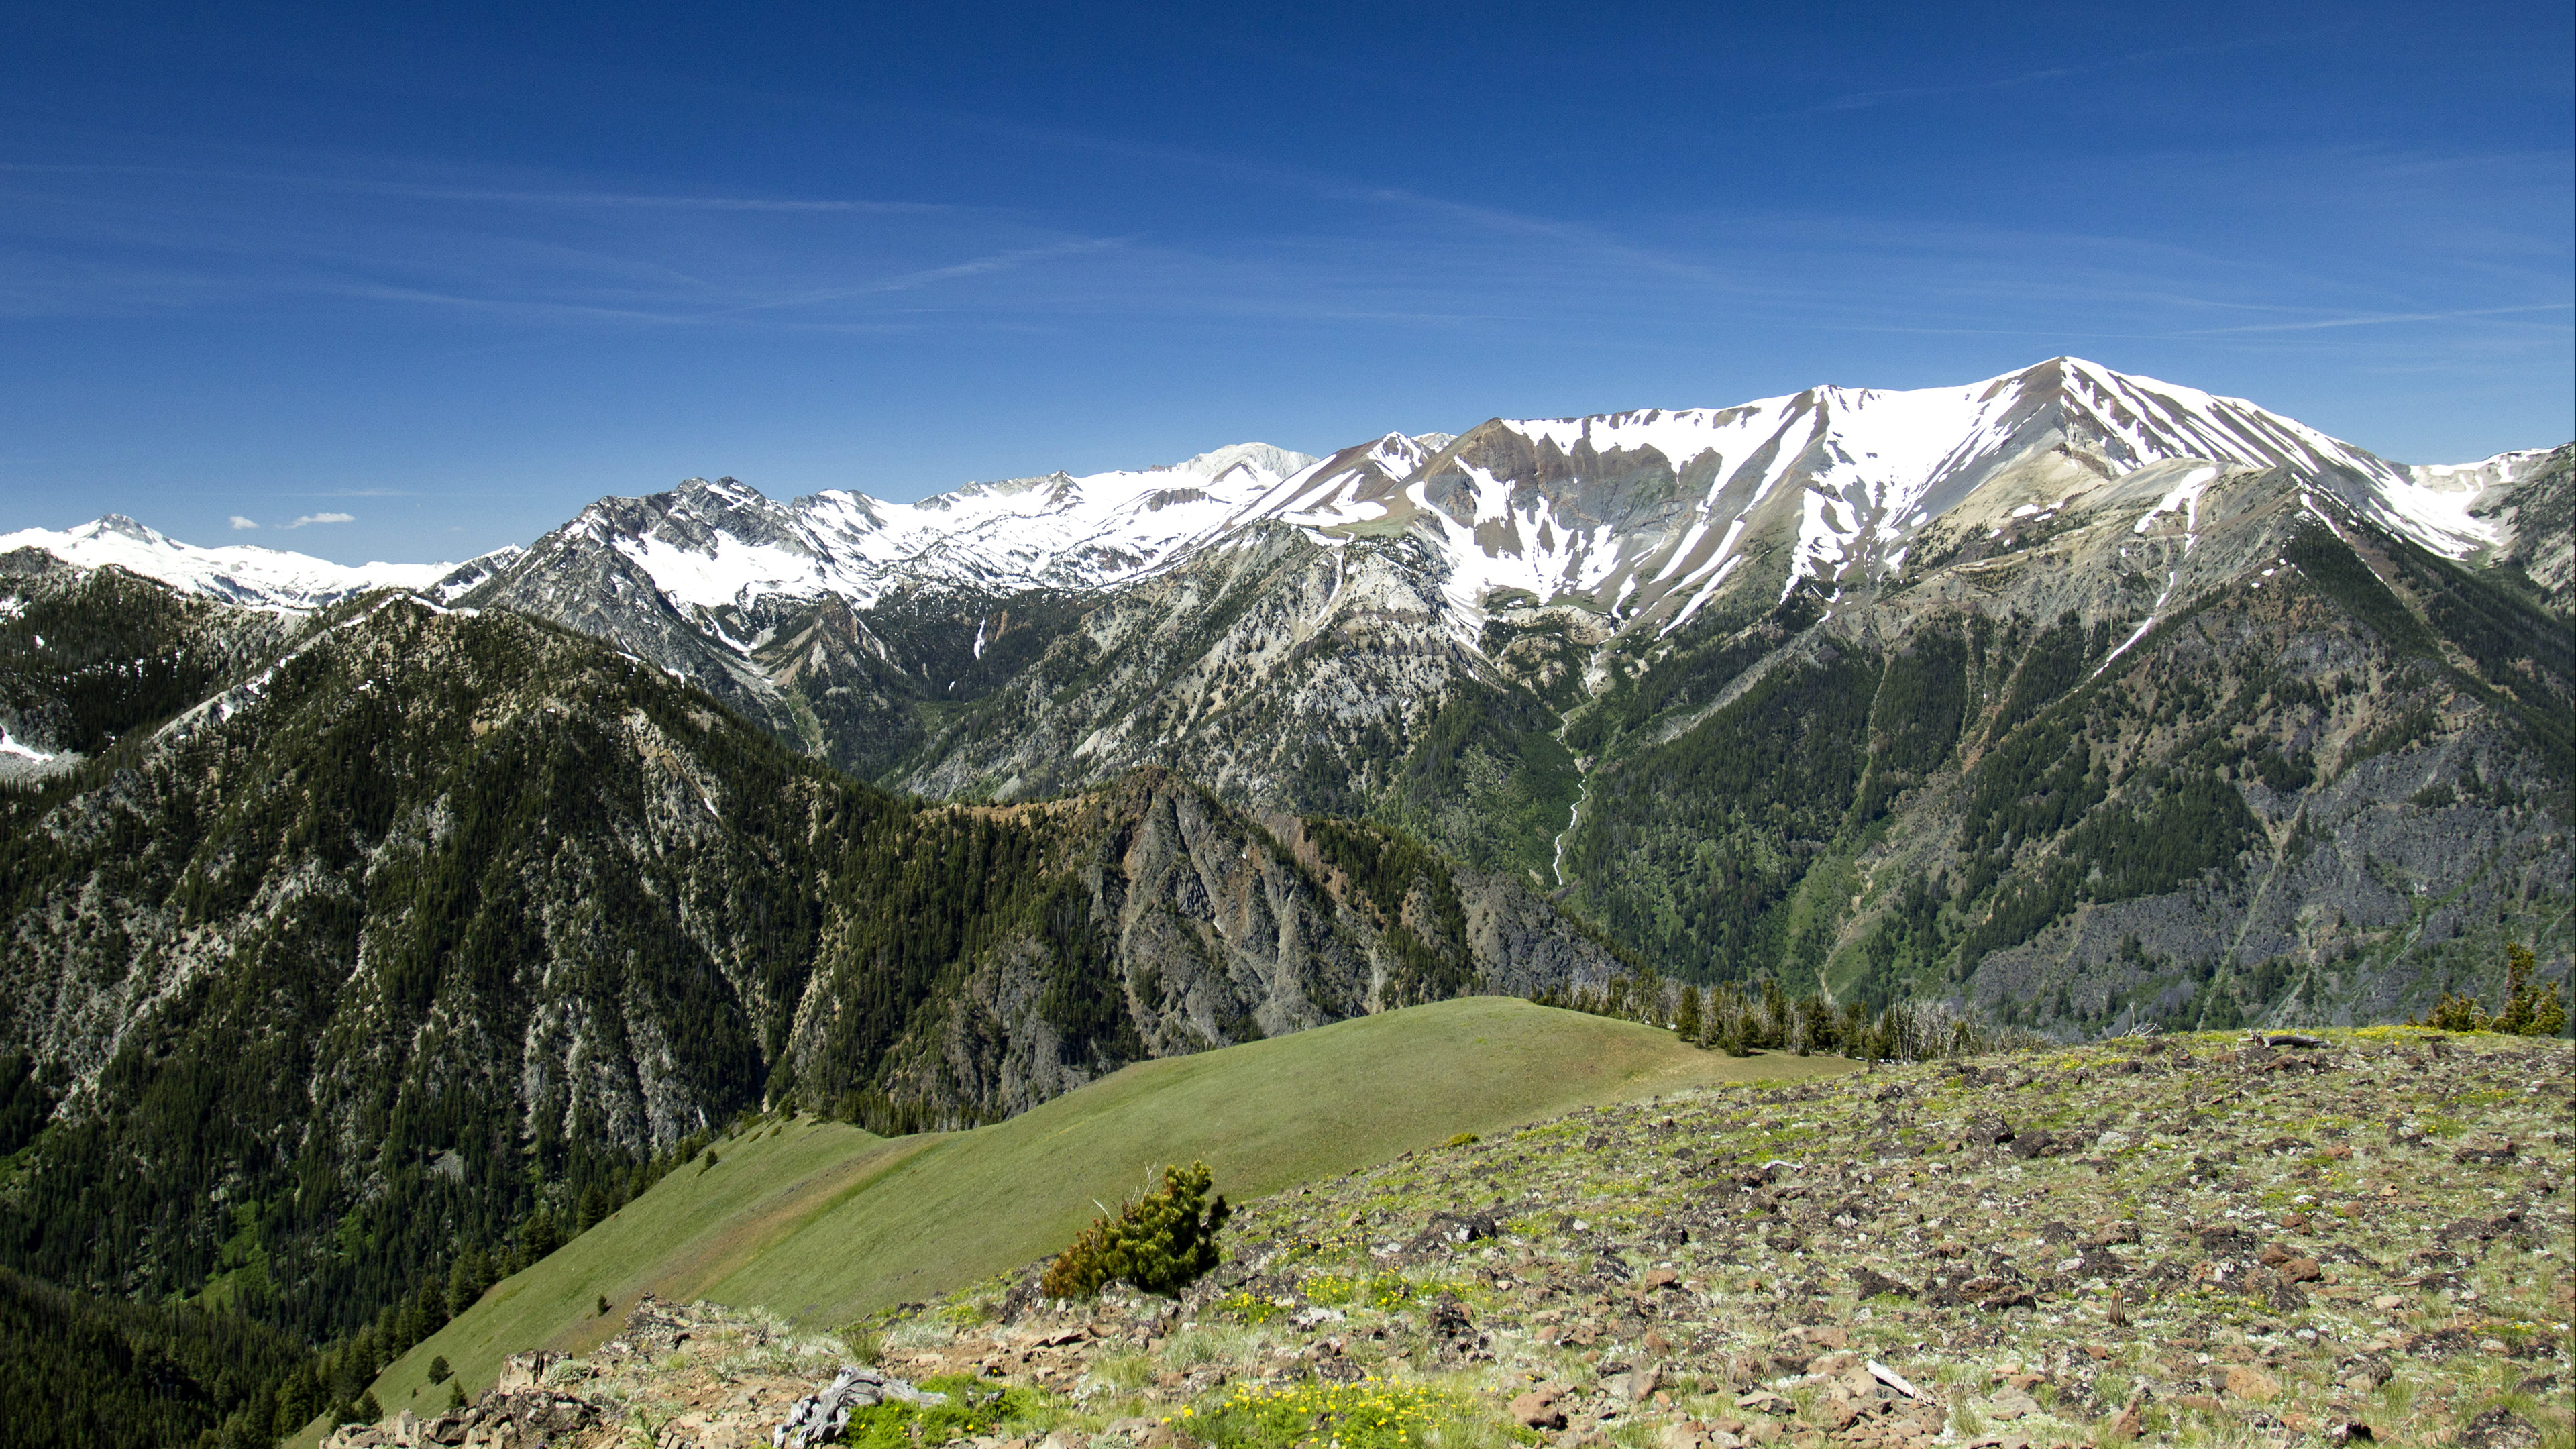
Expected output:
(2187, 1240)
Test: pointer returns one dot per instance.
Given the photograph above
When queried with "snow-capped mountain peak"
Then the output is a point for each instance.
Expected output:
(1644, 513)
(1248, 459)
(244, 574)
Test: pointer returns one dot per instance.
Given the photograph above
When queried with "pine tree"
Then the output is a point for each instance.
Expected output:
(1160, 1243)
(1686, 1016)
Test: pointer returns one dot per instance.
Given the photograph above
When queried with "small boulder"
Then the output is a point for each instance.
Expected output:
(2484, 1148)
(2011, 1404)
(2037, 1144)
(1537, 1410)
(1870, 1283)
(2244, 1381)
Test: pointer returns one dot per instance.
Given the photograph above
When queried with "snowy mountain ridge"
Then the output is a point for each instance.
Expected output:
(1844, 477)
(1552, 509)
(1639, 514)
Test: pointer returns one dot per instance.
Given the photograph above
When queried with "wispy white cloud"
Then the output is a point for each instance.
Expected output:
(2377, 319)
(304, 519)
(928, 276)
(1866, 100)
(240, 523)
(500, 196)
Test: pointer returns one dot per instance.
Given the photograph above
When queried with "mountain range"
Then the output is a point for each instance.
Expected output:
(1837, 630)
(357, 916)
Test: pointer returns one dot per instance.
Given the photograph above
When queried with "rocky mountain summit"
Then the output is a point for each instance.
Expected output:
(2181, 1240)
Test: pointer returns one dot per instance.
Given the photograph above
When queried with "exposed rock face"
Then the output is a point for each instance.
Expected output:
(1940, 780)
(806, 664)
(1211, 929)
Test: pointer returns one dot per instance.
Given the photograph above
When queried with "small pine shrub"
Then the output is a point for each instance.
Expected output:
(438, 1369)
(456, 1394)
(1160, 1243)
(2527, 1010)
(2452, 1013)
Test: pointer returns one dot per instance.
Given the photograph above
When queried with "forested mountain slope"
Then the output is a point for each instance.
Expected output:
(2206, 742)
(435, 920)
(2198, 748)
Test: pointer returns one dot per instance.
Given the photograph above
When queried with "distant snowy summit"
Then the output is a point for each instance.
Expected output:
(257, 577)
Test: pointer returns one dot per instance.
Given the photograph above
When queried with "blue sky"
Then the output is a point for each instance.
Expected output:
(454, 272)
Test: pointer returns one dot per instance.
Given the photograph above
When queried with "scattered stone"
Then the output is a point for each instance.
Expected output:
(2499, 1429)
(1455, 1230)
(1868, 1282)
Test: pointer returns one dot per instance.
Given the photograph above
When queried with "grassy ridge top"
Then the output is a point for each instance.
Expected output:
(821, 1222)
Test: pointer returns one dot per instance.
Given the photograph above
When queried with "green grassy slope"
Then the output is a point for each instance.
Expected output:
(821, 1222)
